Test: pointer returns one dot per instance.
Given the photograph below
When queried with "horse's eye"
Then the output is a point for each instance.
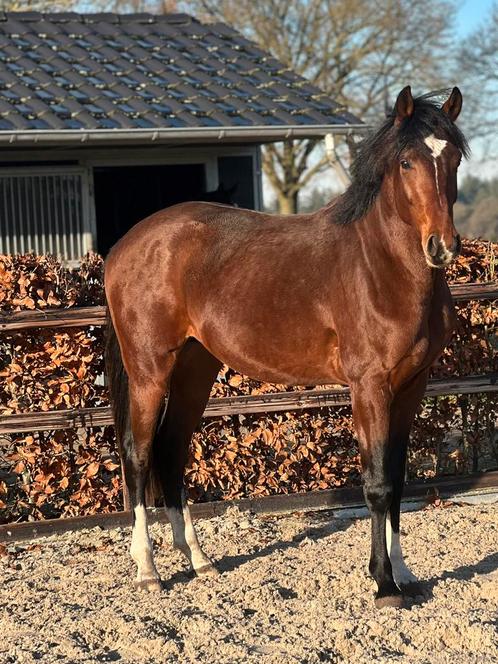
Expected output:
(405, 164)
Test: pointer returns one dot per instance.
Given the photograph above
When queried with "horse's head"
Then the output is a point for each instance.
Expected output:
(429, 148)
(220, 195)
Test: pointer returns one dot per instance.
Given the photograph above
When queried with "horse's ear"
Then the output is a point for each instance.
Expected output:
(403, 107)
(453, 105)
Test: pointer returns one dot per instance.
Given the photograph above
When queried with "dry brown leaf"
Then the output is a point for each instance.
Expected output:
(93, 469)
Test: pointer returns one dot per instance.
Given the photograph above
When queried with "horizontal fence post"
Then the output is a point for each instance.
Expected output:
(239, 405)
(96, 315)
(71, 317)
(331, 499)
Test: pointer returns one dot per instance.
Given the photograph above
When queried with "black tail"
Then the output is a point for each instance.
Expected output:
(118, 384)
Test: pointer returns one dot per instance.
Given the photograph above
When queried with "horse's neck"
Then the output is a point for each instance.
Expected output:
(395, 247)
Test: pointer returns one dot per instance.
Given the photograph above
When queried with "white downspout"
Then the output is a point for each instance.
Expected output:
(335, 161)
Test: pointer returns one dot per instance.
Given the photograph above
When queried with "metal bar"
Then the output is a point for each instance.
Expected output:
(220, 406)
(17, 206)
(312, 500)
(68, 221)
(9, 216)
(16, 239)
(40, 207)
(51, 227)
(24, 187)
(31, 205)
(76, 227)
(57, 219)
(4, 224)
(95, 315)
(62, 202)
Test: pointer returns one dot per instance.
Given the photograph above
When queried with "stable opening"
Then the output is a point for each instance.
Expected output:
(124, 195)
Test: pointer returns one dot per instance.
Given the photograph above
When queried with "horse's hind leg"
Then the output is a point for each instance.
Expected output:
(146, 401)
(191, 381)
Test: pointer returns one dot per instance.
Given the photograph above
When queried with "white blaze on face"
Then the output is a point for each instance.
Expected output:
(436, 146)
(401, 574)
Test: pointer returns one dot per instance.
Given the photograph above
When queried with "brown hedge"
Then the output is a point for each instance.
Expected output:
(54, 473)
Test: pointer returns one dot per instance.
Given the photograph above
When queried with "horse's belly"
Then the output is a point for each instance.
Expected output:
(290, 358)
(283, 374)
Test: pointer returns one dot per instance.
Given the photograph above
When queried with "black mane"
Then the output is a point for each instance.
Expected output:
(377, 151)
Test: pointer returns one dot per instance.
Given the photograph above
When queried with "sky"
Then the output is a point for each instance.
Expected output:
(471, 14)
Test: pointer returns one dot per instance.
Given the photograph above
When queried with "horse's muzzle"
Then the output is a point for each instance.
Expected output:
(438, 254)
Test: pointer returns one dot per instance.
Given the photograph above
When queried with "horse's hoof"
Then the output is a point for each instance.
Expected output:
(412, 589)
(149, 585)
(207, 570)
(394, 601)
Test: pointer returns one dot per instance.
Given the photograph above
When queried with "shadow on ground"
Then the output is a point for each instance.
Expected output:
(466, 572)
(324, 526)
(314, 532)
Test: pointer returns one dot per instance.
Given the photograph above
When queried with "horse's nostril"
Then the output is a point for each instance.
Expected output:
(433, 245)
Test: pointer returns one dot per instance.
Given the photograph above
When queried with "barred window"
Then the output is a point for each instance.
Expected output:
(45, 211)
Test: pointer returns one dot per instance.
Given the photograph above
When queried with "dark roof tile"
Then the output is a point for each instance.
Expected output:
(88, 71)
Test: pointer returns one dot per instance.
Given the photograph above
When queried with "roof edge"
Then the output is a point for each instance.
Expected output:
(174, 134)
(173, 18)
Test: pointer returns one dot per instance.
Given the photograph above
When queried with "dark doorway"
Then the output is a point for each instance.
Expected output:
(124, 195)
(238, 172)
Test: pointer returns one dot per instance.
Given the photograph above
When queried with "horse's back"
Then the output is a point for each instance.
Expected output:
(170, 229)
(189, 240)
(206, 233)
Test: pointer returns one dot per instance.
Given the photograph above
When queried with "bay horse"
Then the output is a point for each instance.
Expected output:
(353, 294)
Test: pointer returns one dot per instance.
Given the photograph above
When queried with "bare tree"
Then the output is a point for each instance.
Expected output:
(36, 5)
(478, 66)
(358, 51)
(133, 6)
(121, 6)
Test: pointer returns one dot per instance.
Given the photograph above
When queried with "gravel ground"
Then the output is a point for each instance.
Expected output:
(293, 588)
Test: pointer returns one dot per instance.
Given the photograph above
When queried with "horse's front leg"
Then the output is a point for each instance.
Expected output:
(371, 412)
(403, 410)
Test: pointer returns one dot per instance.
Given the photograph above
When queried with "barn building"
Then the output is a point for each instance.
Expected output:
(106, 118)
